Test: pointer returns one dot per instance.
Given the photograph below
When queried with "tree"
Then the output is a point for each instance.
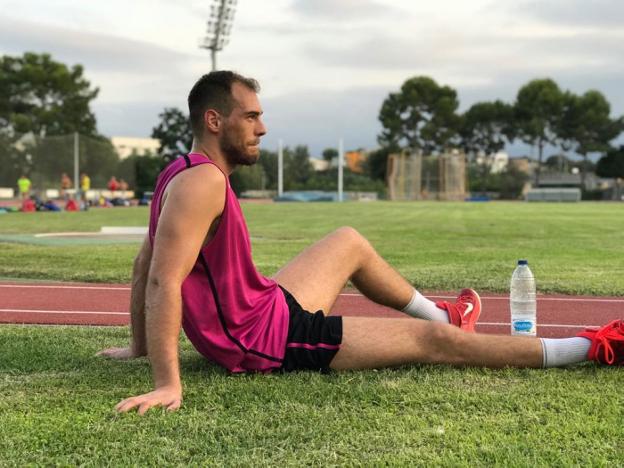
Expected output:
(376, 164)
(420, 117)
(174, 133)
(268, 161)
(329, 154)
(297, 167)
(586, 125)
(538, 113)
(45, 97)
(485, 128)
(611, 165)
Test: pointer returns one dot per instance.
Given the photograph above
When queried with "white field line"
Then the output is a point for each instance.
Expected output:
(61, 312)
(504, 298)
(49, 286)
(488, 298)
(90, 312)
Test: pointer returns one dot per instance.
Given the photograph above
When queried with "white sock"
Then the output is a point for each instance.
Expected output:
(422, 308)
(566, 351)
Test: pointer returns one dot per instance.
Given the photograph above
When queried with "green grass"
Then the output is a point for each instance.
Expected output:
(572, 248)
(57, 398)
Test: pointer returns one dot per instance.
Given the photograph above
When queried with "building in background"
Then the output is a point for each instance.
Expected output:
(125, 146)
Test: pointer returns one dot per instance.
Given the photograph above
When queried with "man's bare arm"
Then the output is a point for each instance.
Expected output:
(194, 200)
(138, 346)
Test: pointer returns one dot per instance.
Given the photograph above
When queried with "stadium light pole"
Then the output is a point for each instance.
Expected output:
(219, 28)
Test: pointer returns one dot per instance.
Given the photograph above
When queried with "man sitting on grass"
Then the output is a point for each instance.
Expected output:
(195, 269)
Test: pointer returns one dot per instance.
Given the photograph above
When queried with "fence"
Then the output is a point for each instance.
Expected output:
(48, 160)
(412, 176)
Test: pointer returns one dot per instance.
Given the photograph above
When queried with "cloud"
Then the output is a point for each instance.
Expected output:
(586, 13)
(98, 52)
(319, 118)
(338, 10)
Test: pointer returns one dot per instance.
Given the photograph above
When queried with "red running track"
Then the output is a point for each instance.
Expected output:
(106, 304)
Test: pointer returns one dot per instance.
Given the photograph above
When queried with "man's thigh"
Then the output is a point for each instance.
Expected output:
(317, 275)
(371, 343)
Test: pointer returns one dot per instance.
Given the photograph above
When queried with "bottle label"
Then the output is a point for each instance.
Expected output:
(523, 327)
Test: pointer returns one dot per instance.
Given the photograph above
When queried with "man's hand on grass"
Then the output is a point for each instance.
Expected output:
(120, 353)
(167, 397)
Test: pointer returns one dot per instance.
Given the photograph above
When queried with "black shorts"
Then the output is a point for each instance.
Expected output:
(313, 339)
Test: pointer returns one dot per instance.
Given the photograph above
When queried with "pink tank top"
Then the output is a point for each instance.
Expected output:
(233, 315)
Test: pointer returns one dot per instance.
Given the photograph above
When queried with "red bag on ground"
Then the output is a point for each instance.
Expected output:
(71, 206)
(28, 206)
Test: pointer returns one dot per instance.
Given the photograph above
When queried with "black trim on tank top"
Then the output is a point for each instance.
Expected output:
(187, 160)
(213, 288)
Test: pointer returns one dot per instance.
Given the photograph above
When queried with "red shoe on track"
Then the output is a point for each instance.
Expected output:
(607, 343)
(466, 310)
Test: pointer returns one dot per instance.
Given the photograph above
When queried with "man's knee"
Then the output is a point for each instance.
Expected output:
(442, 343)
(351, 236)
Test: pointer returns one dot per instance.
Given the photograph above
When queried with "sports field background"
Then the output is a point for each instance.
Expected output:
(57, 398)
(572, 248)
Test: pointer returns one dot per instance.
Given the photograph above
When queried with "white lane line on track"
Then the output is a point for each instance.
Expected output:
(487, 298)
(503, 298)
(79, 312)
(60, 312)
(47, 286)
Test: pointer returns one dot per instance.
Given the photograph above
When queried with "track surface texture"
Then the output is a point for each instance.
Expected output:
(107, 304)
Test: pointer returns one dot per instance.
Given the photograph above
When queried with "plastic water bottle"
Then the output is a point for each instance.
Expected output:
(522, 301)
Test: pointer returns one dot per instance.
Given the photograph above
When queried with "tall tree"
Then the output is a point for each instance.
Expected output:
(486, 127)
(421, 116)
(174, 133)
(587, 126)
(611, 165)
(297, 167)
(538, 113)
(329, 154)
(45, 97)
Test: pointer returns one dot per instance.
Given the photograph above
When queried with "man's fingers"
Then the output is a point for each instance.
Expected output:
(147, 405)
(127, 404)
(175, 405)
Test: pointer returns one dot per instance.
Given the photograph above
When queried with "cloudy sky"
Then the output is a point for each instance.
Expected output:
(325, 66)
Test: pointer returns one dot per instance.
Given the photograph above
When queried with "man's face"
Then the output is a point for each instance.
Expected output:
(240, 138)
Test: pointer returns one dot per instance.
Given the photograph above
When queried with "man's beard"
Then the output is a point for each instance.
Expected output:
(236, 151)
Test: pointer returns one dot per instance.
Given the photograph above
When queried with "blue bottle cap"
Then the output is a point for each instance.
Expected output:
(523, 262)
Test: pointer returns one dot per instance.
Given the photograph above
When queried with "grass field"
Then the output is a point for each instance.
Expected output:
(572, 248)
(57, 398)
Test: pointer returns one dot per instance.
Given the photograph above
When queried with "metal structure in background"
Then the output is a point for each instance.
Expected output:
(219, 28)
(417, 177)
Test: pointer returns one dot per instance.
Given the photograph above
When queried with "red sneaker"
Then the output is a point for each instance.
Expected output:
(465, 312)
(607, 343)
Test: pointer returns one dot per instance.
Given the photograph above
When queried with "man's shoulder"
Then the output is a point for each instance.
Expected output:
(198, 181)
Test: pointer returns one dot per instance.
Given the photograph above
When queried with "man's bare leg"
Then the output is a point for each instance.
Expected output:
(317, 275)
(381, 342)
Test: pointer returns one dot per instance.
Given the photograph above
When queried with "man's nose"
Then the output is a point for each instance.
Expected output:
(260, 128)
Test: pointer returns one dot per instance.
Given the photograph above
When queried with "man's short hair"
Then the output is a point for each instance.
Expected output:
(214, 91)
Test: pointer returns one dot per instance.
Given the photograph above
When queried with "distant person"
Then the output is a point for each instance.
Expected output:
(85, 186)
(24, 186)
(123, 186)
(66, 184)
(113, 184)
(195, 269)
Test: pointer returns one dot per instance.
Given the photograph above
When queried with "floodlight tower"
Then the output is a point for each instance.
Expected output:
(219, 27)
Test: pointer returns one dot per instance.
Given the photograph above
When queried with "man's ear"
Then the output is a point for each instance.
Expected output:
(212, 121)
